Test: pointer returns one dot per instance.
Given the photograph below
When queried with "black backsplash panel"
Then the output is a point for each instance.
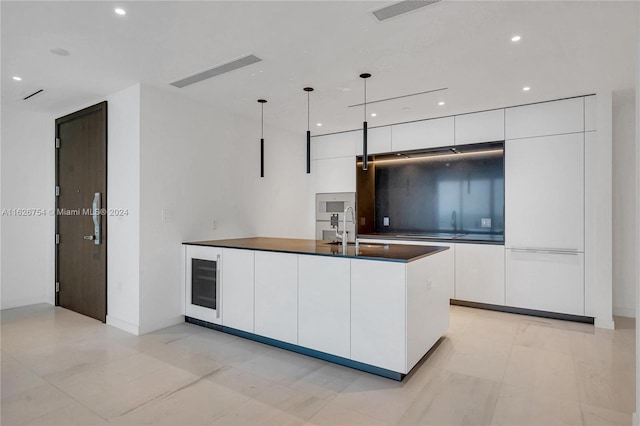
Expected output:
(437, 194)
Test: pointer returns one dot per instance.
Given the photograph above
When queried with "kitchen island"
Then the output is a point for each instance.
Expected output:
(377, 308)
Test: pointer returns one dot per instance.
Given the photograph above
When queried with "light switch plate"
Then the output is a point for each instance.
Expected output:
(485, 222)
(385, 221)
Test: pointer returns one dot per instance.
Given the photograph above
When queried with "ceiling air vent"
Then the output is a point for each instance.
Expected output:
(400, 8)
(221, 69)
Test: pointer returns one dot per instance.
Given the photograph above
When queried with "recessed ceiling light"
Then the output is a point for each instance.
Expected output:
(120, 11)
(441, 103)
(515, 38)
(373, 114)
(16, 78)
(59, 51)
(319, 124)
(526, 89)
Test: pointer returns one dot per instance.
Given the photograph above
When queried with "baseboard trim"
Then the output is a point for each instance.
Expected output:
(159, 325)
(624, 312)
(607, 324)
(17, 303)
(523, 311)
(123, 325)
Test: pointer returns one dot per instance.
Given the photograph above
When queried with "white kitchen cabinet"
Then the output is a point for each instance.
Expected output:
(544, 192)
(378, 141)
(446, 271)
(378, 297)
(590, 113)
(546, 118)
(276, 296)
(324, 312)
(237, 297)
(422, 134)
(486, 126)
(335, 174)
(480, 273)
(545, 281)
(335, 145)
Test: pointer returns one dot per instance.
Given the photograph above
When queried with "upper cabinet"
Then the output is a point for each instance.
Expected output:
(590, 113)
(422, 134)
(543, 119)
(335, 145)
(487, 126)
(544, 193)
(378, 141)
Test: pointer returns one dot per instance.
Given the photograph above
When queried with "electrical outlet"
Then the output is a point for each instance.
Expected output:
(167, 215)
(485, 222)
(385, 221)
(214, 224)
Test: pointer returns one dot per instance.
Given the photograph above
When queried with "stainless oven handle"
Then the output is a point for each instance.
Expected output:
(218, 285)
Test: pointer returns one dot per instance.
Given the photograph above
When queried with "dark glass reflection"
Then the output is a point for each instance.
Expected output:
(445, 192)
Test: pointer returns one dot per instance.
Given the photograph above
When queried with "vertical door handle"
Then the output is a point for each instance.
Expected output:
(218, 285)
(95, 215)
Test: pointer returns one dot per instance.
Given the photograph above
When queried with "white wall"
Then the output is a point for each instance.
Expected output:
(199, 164)
(123, 192)
(27, 168)
(625, 256)
(636, 414)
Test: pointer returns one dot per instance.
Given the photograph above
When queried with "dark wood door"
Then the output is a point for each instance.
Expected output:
(81, 207)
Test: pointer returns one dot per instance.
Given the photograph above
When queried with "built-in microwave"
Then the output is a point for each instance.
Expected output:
(330, 209)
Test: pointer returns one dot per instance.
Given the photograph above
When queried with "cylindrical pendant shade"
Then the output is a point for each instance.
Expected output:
(261, 157)
(364, 145)
(308, 151)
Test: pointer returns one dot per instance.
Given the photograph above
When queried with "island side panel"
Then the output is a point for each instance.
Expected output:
(378, 309)
(427, 305)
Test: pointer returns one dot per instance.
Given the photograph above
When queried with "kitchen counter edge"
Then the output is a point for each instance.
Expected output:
(377, 252)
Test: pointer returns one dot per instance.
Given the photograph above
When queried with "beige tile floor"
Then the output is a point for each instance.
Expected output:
(60, 368)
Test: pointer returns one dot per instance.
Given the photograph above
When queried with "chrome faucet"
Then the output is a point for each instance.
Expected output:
(343, 236)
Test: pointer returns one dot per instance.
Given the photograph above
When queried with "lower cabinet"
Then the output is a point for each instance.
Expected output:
(480, 273)
(546, 281)
(378, 313)
(237, 290)
(324, 299)
(276, 296)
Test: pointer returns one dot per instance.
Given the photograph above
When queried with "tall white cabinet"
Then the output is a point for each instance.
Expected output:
(544, 207)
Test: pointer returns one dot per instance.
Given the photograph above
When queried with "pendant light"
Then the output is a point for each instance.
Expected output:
(364, 78)
(308, 90)
(262, 102)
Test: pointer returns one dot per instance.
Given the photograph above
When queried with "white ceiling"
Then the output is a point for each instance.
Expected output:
(567, 49)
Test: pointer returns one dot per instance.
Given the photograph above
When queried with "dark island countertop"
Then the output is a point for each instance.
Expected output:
(385, 252)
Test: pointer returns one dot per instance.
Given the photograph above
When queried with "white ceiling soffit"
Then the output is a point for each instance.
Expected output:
(221, 69)
(400, 8)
